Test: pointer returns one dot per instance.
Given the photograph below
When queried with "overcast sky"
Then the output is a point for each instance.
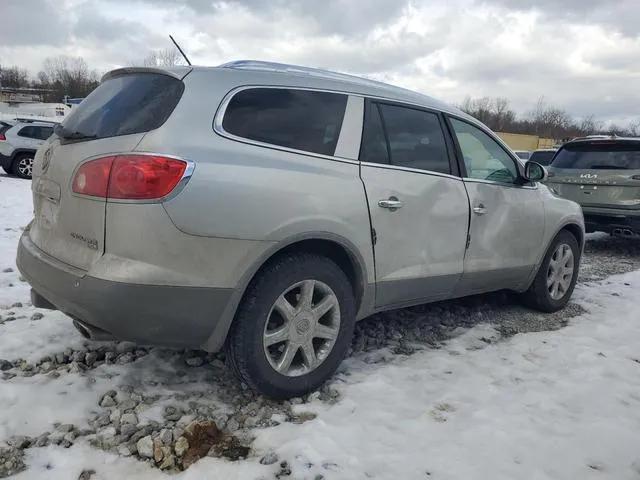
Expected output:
(581, 55)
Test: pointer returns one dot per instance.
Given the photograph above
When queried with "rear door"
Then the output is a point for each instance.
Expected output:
(599, 173)
(418, 205)
(112, 119)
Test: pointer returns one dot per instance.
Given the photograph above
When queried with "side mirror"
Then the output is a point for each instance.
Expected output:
(534, 172)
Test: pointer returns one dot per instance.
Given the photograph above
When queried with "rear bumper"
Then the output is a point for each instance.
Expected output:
(610, 220)
(144, 314)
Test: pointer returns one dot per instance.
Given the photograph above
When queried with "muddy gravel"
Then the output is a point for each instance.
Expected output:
(205, 411)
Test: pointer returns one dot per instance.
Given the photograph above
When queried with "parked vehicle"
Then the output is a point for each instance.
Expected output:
(263, 208)
(602, 174)
(523, 154)
(19, 141)
(543, 156)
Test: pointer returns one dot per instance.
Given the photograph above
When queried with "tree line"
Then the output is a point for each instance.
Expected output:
(64, 75)
(544, 120)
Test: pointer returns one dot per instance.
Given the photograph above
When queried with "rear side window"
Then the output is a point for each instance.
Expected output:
(126, 105)
(599, 155)
(299, 119)
(543, 158)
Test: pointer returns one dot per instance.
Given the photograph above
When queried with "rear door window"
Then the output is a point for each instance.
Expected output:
(405, 137)
(298, 119)
(599, 155)
(125, 105)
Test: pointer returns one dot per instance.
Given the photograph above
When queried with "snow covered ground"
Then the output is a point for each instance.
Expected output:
(489, 403)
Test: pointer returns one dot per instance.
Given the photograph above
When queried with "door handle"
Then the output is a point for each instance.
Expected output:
(480, 209)
(392, 203)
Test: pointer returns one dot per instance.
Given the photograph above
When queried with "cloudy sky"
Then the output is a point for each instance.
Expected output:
(581, 55)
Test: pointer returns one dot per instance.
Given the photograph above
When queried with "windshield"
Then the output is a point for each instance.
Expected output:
(599, 155)
(124, 105)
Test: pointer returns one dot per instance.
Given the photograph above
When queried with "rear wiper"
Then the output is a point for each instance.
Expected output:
(608, 167)
(69, 134)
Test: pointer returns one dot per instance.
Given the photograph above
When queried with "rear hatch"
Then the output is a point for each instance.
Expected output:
(599, 173)
(112, 119)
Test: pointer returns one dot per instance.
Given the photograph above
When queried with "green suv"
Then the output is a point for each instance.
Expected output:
(602, 174)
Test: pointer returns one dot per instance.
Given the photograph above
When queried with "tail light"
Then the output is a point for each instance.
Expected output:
(2, 137)
(129, 177)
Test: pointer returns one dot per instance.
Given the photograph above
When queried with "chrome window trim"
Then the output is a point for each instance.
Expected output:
(501, 184)
(222, 108)
(387, 166)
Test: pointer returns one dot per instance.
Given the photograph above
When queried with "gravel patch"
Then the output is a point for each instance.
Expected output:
(172, 407)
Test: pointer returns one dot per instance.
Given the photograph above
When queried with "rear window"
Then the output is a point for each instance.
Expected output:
(599, 155)
(299, 119)
(543, 158)
(126, 105)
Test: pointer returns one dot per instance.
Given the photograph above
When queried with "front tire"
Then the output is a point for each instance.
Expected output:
(22, 165)
(556, 279)
(294, 326)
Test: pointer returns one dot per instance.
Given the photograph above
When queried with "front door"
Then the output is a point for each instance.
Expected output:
(419, 209)
(507, 217)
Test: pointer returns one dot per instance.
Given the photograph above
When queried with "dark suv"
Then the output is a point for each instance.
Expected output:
(602, 174)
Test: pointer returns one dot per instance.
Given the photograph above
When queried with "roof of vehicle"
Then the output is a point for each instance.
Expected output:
(272, 73)
(37, 123)
(545, 150)
(348, 82)
(609, 138)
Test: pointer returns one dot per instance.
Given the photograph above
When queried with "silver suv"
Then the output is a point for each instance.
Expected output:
(19, 141)
(264, 208)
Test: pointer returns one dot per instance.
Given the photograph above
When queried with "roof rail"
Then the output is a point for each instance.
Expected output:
(289, 68)
(36, 120)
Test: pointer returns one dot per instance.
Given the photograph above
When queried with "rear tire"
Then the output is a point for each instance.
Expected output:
(294, 326)
(556, 279)
(22, 165)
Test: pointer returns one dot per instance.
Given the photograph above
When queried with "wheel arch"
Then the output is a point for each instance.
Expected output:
(337, 248)
(571, 226)
(19, 151)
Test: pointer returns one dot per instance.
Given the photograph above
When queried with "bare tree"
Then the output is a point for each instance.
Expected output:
(589, 126)
(67, 76)
(167, 57)
(14, 77)
(634, 128)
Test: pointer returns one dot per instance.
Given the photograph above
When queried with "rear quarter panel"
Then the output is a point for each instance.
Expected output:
(243, 191)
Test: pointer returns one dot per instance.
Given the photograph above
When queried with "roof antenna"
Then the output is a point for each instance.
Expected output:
(178, 47)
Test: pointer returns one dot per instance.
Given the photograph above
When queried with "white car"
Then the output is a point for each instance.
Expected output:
(19, 141)
(523, 154)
